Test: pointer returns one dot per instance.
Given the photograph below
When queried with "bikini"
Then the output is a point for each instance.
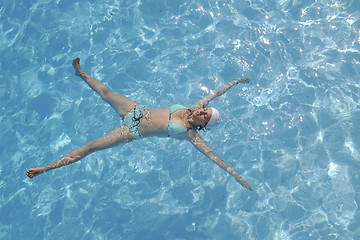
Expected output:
(173, 127)
(132, 121)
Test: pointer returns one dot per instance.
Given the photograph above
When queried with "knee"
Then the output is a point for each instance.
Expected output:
(104, 92)
(83, 151)
(107, 94)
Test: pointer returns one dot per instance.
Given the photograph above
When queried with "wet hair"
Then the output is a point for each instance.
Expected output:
(203, 128)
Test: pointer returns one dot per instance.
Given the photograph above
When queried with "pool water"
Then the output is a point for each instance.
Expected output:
(293, 132)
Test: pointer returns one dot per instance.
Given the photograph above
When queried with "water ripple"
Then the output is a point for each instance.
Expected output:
(292, 132)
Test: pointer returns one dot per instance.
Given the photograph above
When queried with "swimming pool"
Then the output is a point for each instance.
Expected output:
(292, 133)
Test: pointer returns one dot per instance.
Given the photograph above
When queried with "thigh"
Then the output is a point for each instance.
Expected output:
(122, 104)
(117, 136)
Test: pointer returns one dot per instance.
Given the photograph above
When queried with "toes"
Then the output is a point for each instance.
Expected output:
(76, 60)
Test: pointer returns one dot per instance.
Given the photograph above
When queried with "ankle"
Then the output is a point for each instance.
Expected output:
(81, 73)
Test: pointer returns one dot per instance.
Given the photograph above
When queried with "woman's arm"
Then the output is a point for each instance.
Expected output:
(198, 142)
(215, 93)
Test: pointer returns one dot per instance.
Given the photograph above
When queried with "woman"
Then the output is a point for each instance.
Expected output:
(139, 121)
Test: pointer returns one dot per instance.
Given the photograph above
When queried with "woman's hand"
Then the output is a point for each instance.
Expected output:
(242, 80)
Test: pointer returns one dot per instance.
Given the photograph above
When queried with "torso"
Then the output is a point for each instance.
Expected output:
(155, 121)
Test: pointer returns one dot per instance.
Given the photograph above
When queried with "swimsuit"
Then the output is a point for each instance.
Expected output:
(173, 127)
(132, 120)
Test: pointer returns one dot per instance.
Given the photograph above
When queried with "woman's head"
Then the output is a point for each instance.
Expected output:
(206, 117)
(215, 118)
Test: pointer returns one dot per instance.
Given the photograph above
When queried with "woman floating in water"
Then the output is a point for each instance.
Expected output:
(178, 122)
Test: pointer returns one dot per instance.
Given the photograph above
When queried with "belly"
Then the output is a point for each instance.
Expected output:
(155, 122)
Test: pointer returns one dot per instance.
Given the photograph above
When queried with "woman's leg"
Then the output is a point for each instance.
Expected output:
(117, 136)
(123, 105)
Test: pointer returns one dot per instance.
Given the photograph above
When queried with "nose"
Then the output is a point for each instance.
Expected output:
(202, 111)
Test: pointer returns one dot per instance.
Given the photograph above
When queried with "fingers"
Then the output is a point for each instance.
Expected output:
(244, 80)
(243, 182)
(248, 186)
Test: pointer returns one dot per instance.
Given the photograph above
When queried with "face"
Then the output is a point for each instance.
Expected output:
(202, 116)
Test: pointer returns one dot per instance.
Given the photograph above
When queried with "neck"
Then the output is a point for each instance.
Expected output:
(195, 123)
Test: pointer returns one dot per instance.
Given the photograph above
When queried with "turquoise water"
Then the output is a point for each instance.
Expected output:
(292, 133)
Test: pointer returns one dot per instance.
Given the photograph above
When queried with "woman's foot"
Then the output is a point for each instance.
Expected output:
(76, 65)
(32, 172)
